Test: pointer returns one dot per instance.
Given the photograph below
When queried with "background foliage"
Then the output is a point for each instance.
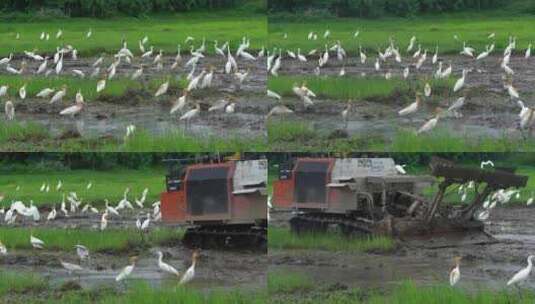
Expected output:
(378, 8)
(43, 162)
(106, 8)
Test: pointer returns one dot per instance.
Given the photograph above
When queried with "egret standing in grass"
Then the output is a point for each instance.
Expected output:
(36, 243)
(3, 249)
(9, 110)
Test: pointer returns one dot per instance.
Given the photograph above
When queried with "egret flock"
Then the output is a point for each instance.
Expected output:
(72, 206)
(197, 65)
(401, 59)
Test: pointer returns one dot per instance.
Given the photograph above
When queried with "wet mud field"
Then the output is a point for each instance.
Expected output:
(488, 110)
(217, 268)
(487, 266)
(109, 116)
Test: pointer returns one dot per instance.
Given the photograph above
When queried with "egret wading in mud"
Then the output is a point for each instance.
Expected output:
(189, 275)
(455, 273)
(127, 271)
(72, 268)
(523, 274)
(189, 115)
(166, 267)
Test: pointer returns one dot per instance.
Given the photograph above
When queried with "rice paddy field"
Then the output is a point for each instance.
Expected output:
(371, 72)
(78, 198)
(167, 66)
(330, 267)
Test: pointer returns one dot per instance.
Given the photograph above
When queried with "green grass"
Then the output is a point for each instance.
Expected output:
(114, 88)
(143, 293)
(285, 282)
(16, 289)
(143, 141)
(430, 30)
(300, 136)
(279, 238)
(32, 137)
(106, 185)
(409, 293)
(96, 241)
(354, 88)
(338, 87)
(164, 32)
(15, 131)
(289, 131)
(442, 140)
(16, 282)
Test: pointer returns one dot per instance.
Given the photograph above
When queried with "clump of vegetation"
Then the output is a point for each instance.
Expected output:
(16, 282)
(110, 182)
(84, 8)
(97, 241)
(286, 282)
(410, 293)
(289, 131)
(356, 88)
(379, 8)
(279, 238)
(29, 288)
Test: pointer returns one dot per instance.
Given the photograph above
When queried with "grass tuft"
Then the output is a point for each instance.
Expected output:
(96, 241)
(279, 238)
(286, 282)
(16, 282)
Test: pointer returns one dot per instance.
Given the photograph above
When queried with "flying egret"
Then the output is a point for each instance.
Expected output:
(487, 163)
(401, 169)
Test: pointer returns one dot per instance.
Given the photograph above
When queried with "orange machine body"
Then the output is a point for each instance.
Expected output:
(208, 194)
(341, 185)
(284, 194)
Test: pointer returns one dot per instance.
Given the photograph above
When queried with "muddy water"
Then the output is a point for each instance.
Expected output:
(216, 269)
(488, 110)
(104, 118)
(483, 266)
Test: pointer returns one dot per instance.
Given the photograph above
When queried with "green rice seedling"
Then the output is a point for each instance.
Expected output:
(279, 238)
